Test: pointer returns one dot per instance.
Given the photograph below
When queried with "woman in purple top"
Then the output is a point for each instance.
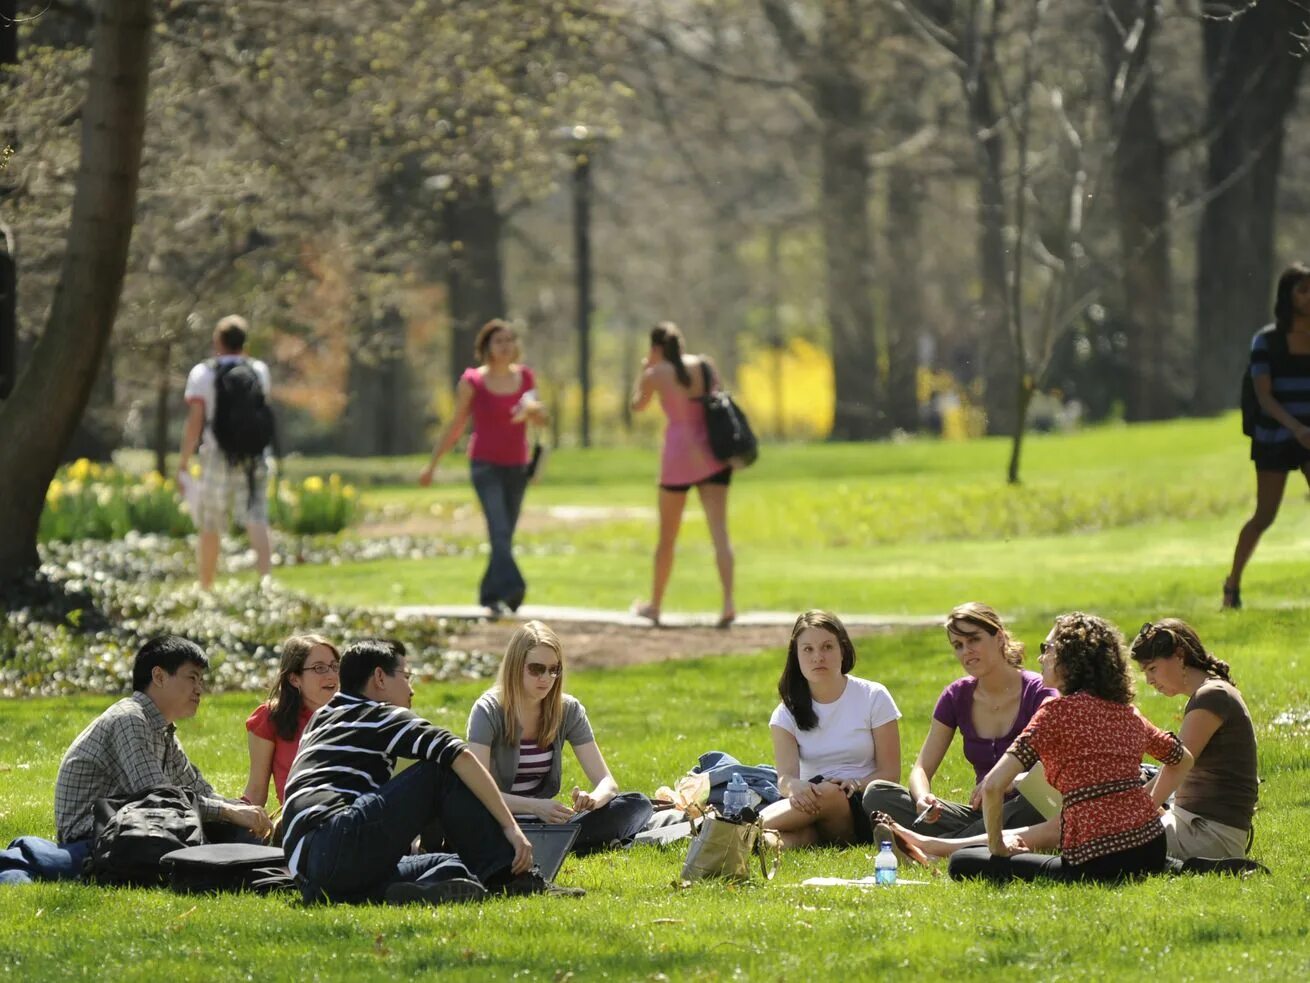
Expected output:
(989, 707)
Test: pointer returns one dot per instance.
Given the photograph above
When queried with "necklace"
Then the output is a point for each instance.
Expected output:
(995, 703)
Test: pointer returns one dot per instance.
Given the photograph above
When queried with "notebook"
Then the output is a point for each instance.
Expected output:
(1034, 787)
(550, 844)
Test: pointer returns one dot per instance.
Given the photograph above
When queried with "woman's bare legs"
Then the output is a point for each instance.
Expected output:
(671, 505)
(714, 500)
(1269, 486)
(831, 824)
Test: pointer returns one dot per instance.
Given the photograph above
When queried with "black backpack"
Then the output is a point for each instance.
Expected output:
(731, 436)
(243, 421)
(132, 833)
(228, 867)
(1252, 414)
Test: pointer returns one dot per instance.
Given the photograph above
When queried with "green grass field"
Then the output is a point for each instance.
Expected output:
(1169, 500)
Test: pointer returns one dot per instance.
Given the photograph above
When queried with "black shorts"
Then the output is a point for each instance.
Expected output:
(723, 477)
(1286, 456)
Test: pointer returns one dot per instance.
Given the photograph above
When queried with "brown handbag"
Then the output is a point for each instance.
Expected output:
(721, 848)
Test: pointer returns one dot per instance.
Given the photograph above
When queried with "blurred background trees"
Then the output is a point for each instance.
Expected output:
(877, 215)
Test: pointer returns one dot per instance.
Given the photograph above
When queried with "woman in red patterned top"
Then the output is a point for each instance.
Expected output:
(1091, 741)
(501, 397)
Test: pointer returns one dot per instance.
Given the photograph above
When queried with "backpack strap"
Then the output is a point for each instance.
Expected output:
(706, 377)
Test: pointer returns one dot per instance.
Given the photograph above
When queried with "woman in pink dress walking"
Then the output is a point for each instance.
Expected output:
(686, 462)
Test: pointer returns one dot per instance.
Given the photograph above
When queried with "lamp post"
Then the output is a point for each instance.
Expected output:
(581, 142)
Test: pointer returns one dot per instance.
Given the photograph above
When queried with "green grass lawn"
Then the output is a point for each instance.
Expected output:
(652, 722)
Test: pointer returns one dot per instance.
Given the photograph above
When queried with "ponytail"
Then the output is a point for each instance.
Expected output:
(668, 339)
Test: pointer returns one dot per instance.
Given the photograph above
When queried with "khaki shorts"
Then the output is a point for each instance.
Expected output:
(223, 486)
(1191, 835)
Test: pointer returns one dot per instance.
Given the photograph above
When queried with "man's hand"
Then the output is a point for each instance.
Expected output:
(522, 849)
(250, 817)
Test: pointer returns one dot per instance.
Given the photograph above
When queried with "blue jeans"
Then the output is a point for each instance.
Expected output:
(500, 489)
(362, 850)
(30, 858)
(617, 821)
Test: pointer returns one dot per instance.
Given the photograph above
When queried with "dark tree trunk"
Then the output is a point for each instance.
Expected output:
(904, 316)
(97, 432)
(1138, 170)
(474, 277)
(1252, 66)
(1000, 374)
(848, 243)
(53, 391)
(382, 416)
(163, 399)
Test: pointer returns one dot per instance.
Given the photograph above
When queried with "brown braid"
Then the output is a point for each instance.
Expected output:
(1173, 636)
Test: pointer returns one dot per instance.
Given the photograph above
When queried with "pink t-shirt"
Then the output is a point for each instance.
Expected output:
(260, 724)
(496, 438)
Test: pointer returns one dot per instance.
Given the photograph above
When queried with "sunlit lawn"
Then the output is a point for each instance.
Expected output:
(653, 721)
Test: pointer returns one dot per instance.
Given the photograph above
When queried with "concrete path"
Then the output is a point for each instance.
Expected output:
(670, 619)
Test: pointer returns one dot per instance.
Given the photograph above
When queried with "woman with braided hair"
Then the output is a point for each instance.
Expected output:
(1212, 811)
(1091, 742)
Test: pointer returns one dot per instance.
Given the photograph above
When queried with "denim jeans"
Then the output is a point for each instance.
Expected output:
(618, 820)
(500, 489)
(363, 849)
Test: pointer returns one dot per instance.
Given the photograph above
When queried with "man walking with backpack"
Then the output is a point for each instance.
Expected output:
(231, 421)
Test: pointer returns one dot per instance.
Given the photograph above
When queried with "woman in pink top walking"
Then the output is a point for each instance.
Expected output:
(501, 397)
(687, 461)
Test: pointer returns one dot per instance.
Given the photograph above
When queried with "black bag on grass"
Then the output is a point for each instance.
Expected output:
(228, 867)
(132, 833)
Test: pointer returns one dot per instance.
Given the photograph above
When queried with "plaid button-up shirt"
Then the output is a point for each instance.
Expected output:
(128, 748)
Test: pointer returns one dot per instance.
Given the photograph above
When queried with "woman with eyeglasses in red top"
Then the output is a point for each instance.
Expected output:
(306, 679)
(517, 730)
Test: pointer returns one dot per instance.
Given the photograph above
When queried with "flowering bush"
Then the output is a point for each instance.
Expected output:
(316, 506)
(92, 501)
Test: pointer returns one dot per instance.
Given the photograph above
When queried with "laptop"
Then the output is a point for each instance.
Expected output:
(550, 844)
(1034, 787)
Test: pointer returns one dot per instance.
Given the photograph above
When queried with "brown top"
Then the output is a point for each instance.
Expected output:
(1222, 785)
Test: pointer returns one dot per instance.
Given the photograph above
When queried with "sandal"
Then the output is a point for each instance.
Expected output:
(1232, 596)
(885, 828)
(646, 611)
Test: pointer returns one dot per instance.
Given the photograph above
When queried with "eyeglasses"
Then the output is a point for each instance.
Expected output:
(539, 669)
(323, 669)
(402, 672)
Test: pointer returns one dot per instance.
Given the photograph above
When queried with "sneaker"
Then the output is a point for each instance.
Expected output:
(453, 891)
(533, 883)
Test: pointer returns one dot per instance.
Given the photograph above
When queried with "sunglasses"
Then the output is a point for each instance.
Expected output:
(1046, 647)
(538, 669)
(324, 669)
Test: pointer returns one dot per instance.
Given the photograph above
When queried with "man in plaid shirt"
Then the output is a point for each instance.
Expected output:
(133, 746)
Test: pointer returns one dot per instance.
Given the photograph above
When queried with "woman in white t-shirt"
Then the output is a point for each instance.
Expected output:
(833, 733)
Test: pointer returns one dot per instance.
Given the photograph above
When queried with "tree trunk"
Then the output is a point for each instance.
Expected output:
(1000, 374)
(1141, 194)
(848, 244)
(52, 393)
(475, 277)
(163, 398)
(905, 195)
(1252, 68)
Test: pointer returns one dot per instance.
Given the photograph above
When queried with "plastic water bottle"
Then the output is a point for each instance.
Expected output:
(736, 797)
(884, 867)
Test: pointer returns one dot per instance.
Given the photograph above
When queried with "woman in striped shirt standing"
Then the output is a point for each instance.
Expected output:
(517, 730)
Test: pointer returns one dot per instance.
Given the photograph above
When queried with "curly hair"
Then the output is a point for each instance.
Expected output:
(793, 687)
(983, 616)
(1089, 655)
(1173, 636)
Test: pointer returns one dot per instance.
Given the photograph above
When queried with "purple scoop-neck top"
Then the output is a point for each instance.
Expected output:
(955, 709)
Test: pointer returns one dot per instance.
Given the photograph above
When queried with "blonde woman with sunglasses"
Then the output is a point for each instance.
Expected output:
(307, 678)
(517, 730)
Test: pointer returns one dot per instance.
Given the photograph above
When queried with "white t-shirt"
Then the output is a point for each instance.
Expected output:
(841, 744)
(200, 387)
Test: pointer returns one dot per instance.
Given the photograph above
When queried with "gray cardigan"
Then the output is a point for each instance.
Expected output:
(487, 726)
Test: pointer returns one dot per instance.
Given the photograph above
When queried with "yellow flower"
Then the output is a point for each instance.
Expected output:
(55, 492)
(80, 469)
(334, 481)
(194, 470)
(313, 483)
(154, 481)
(74, 487)
(348, 492)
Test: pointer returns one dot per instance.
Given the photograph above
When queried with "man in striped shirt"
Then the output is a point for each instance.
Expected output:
(350, 820)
